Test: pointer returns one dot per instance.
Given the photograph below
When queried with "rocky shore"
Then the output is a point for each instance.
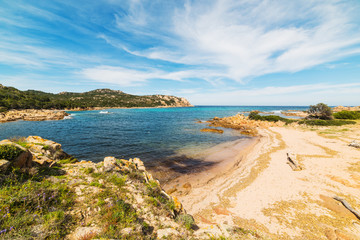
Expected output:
(242, 123)
(47, 194)
(32, 115)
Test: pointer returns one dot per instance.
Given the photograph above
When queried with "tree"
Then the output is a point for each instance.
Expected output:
(321, 111)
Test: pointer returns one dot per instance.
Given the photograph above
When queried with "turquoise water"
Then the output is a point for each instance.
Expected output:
(152, 134)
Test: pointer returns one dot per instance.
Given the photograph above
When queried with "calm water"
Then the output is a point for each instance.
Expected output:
(150, 134)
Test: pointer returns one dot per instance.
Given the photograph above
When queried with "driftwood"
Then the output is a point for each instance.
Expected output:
(354, 144)
(348, 207)
(292, 162)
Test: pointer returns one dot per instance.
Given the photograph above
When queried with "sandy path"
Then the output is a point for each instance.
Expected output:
(264, 194)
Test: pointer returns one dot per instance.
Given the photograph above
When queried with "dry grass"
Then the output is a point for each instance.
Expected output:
(299, 215)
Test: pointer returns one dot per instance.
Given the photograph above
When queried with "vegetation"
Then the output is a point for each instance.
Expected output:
(12, 98)
(320, 111)
(9, 152)
(26, 201)
(319, 122)
(353, 115)
(254, 115)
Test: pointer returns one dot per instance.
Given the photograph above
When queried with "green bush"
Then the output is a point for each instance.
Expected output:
(347, 115)
(254, 115)
(9, 152)
(319, 122)
(187, 220)
(321, 111)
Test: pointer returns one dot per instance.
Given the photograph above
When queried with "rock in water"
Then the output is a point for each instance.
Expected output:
(212, 130)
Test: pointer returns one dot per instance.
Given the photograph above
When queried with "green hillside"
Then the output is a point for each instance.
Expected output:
(12, 98)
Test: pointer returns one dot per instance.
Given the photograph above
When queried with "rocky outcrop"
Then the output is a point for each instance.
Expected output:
(171, 101)
(341, 108)
(213, 130)
(96, 191)
(45, 152)
(13, 154)
(32, 115)
(243, 124)
(302, 114)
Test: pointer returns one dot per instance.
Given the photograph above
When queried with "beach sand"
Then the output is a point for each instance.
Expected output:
(255, 189)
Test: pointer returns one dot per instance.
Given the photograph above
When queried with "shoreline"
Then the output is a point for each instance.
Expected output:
(55, 114)
(263, 194)
(215, 160)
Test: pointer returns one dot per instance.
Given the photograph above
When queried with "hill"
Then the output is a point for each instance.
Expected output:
(12, 98)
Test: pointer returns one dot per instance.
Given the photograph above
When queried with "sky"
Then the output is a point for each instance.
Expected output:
(212, 52)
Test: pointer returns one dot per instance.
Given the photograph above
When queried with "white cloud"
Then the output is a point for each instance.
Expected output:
(253, 38)
(132, 77)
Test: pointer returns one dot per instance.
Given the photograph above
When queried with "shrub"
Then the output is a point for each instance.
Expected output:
(347, 115)
(88, 170)
(9, 152)
(270, 118)
(321, 111)
(319, 122)
(187, 220)
(117, 180)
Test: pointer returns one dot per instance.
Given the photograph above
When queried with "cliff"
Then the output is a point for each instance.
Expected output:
(12, 98)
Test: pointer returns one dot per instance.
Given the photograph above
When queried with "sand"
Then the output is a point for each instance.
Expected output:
(256, 189)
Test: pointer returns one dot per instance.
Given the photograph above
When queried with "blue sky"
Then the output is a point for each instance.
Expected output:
(224, 52)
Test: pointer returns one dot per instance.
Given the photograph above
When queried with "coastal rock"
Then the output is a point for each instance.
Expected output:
(23, 160)
(213, 130)
(109, 164)
(243, 124)
(139, 164)
(342, 108)
(32, 115)
(302, 114)
(45, 149)
(4, 164)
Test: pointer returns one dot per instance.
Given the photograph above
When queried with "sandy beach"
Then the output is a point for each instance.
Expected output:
(258, 191)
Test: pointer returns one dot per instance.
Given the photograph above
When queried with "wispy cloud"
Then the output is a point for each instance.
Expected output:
(332, 94)
(200, 45)
(249, 39)
(132, 77)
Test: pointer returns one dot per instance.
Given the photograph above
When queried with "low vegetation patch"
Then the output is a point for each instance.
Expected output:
(9, 152)
(27, 201)
(353, 115)
(320, 122)
(270, 118)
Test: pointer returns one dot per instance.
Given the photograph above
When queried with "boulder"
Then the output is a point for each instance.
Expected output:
(23, 160)
(40, 146)
(109, 164)
(139, 164)
(4, 164)
(212, 130)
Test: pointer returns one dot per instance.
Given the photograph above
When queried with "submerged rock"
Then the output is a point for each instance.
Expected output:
(213, 130)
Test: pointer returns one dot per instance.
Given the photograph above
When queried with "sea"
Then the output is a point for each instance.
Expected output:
(152, 134)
